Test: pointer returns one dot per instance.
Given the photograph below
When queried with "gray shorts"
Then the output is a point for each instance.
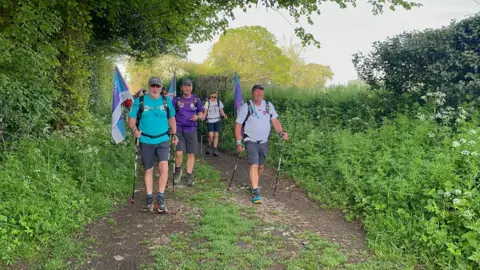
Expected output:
(149, 151)
(187, 142)
(256, 152)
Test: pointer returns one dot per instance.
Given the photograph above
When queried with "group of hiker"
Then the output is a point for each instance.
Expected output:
(158, 122)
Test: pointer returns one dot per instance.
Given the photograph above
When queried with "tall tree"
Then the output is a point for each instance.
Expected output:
(253, 53)
(305, 75)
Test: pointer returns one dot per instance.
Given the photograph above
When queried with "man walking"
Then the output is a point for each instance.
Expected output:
(213, 110)
(188, 110)
(254, 117)
(150, 119)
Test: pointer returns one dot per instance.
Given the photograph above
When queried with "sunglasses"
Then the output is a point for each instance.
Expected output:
(155, 86)
(213, 96)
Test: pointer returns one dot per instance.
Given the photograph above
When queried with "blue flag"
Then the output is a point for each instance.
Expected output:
(238, 98)
(172, 91)
(120, 94)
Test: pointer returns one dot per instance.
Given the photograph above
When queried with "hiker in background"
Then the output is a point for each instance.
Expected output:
(213, 111)
(150, 119)
(254, 117)
(188, 110)
(164, 91)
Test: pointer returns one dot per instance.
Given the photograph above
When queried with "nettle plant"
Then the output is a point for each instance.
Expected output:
(452, 224)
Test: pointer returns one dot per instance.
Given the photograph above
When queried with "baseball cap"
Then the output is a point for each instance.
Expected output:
(155, 80)
(187, 82)
(257, 86)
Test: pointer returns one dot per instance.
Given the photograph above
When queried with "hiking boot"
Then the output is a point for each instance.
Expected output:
(215, 153)
(190, 181)
(257, 199)
(149, 206)
(161, 206)
(256, 196)
(177, 176)
(207, 152)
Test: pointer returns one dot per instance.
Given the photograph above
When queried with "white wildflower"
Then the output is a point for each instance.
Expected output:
(447, 194)
(474, 153)
(472, 142)
(467, 214)
(455, 144)
(431, 135)
(462, 140)
(472, 132)
(457, 191)
(36, 171)
(456, 201)
(468, 194)
(465, 152)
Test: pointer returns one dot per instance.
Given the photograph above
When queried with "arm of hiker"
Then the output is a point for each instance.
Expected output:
(222, 113)
(241, 116)
(238, 137)
(172, 123)
(132, 120)
(276, 123)
(173, 126)
(278, 127)
(200, 110)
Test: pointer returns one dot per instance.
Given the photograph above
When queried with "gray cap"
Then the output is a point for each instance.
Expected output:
(187, 82)
(155, 80)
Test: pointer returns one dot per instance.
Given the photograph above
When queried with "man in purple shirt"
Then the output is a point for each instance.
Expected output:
(188, 109)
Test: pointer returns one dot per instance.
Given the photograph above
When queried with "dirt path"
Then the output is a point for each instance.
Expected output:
(126, 239)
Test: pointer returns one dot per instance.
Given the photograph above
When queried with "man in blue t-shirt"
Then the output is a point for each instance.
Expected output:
(152, 130)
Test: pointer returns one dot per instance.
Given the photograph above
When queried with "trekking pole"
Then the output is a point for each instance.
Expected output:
(132, 200)
(278, 168)
(173, 165)
(201, 140)
(233, 174)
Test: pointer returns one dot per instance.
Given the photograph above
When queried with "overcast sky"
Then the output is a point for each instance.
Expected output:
(342, 32)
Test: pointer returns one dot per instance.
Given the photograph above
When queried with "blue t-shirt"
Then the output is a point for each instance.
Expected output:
(154, 118)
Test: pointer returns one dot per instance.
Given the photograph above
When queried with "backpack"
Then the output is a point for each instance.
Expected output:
(250, 112)
(208, 102)
(195, 101)
(142, 108)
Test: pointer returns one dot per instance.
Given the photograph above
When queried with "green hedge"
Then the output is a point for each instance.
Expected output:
(412, 182)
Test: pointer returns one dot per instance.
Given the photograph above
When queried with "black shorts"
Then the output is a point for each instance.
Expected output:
(149, 151)
(214, 127)
(187, 142)
(256, 152)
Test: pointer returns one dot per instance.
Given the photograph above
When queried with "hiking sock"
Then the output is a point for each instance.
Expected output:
(149, 196)
(160, 194)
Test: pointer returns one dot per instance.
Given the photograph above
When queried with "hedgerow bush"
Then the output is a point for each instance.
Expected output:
(53, 187)
(410, 179)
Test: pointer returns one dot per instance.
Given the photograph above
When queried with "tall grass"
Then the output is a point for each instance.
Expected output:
(53, 187)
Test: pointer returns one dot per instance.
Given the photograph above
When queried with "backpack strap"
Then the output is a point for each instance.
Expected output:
(165, 106)
(141, 107)
(267, 108)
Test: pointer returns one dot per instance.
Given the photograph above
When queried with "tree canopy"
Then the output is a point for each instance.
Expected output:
(56, 46)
